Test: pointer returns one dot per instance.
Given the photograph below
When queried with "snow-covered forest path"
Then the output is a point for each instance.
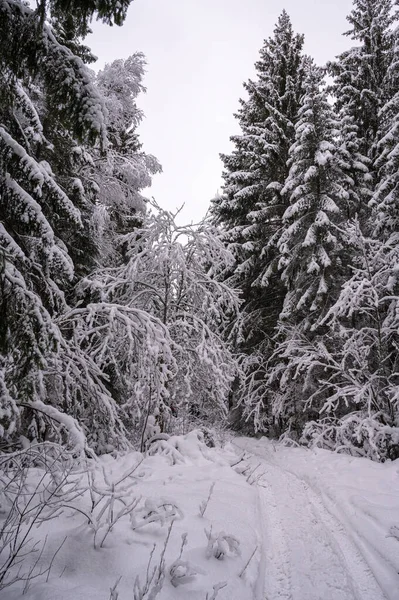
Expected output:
(308, 549)
(252, 519)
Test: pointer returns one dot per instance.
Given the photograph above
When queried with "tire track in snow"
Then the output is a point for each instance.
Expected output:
(308, 553)
(363, 578)
(275, 574)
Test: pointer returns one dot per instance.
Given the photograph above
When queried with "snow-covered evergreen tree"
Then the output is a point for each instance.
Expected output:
(360, 73)
(355, 166)
(385, 201)
(251, 205)
(311, 242)
(38, 217)
(357, 361)
(50, 114)
(311, 247)
(329, 375)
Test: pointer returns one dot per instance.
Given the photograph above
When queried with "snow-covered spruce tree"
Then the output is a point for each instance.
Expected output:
(311, 246)
(350, 371)
(311, 241)
(47, 97)
(251, 206)
(347, 373)
(357, 360)
(360, 73)
(358, 391)
(385, 201)
(361, 409)
(355, 166)
(174, 274)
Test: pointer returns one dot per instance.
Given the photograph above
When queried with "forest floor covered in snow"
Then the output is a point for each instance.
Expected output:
(264, 521)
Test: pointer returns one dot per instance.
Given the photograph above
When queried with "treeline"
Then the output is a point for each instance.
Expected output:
(282, 309)
(310, 210)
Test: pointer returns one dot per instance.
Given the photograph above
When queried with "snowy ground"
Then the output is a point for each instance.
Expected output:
(323, 527)
(329, 524)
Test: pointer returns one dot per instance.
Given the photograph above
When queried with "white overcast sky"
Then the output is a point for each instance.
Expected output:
(199, 52)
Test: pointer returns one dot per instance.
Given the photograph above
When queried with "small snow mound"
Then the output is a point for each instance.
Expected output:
(190, 448)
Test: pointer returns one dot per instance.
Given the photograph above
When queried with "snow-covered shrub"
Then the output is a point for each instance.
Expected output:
(110, 502)
(164, 448)
(357, 433)
(182, 572)
(177, 448)
(155, 576)
(113, 592)
(173, 274)
(160, 511)
(154, 579)
(221, 545)
(253, 409)
(36, 484)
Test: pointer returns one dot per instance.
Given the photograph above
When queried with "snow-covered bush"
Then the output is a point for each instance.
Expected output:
(182, 572)
(36, 484)
(358, 433)
(160, 511)
(173, 274)
(111, 501)
(179, 448)
(221, 545)
(154, 576)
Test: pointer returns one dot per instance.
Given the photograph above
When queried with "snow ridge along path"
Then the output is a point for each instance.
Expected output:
(307, 552)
